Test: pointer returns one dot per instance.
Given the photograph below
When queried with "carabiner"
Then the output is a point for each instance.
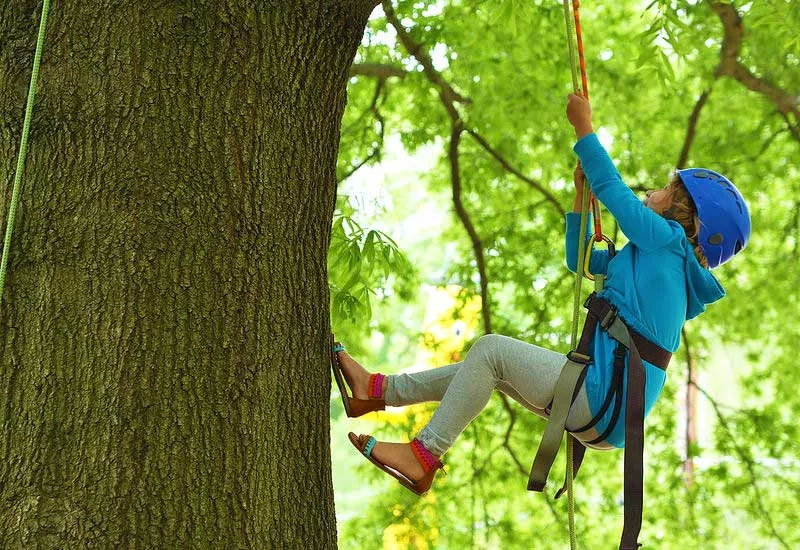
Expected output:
(588, 258)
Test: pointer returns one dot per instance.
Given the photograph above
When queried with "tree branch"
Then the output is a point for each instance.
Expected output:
(691, 405)
(793, 128)
(692, 128)
(377, 70)
(731, 66)
(477, 245)
(449, 96)
(505, 164)
(373, 108)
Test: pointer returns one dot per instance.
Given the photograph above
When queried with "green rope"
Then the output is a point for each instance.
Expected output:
(573, 56)
(23, 149)
(573, 63)
(576, 303)
(576, 312)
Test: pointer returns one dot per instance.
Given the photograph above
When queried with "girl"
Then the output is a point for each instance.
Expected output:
(660, 279)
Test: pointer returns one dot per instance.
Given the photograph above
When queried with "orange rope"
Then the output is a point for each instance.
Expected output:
(598, 229)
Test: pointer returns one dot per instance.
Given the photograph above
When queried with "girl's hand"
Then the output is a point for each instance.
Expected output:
(579, 114)
(579, 178)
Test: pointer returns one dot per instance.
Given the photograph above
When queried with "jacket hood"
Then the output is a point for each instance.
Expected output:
(702, 287)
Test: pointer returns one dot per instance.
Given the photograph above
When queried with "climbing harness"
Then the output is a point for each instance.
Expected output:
(603, 314)
(23, 149)
(637, 348)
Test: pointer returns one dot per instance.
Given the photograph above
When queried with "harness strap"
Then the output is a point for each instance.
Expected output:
(633, 492)
(569, 382)
(615, 393)
(612, 323)
(554, 430)
(578, 450)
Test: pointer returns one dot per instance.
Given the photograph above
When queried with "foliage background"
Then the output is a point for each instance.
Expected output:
(673, 83)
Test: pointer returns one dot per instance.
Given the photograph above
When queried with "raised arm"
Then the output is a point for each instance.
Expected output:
(598, 262)
(641, 225)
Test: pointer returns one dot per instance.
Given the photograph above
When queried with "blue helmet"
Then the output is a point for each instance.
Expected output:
(724, 218)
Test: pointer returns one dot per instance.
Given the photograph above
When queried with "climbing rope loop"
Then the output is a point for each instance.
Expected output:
(23, 149)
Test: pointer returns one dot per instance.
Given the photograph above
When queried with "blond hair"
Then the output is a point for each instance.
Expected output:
(684, 211)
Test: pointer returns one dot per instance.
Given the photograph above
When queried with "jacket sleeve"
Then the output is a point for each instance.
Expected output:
(641, 225)
(599, 260)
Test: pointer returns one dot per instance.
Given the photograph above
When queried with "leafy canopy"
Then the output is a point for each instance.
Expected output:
(649, 68)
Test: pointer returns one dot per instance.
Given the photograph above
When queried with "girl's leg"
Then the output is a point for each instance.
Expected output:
(418, 387)
(580, 413)
(527, 372)
(400, 390)
(431, 385)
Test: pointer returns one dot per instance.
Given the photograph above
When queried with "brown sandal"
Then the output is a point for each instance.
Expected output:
(365, 444)
(352, 406)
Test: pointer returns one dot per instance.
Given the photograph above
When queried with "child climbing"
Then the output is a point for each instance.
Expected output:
(655, 283)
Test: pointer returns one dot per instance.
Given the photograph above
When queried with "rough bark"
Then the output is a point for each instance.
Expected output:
(163, 381)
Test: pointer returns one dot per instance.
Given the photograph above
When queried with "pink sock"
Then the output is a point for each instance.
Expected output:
(424, 456)
(376, 385)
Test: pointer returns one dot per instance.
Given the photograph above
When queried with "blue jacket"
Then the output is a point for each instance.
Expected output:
(655, 280)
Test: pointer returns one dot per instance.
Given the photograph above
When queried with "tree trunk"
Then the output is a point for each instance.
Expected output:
(164, 379)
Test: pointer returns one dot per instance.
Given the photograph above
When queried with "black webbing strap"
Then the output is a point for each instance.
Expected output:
(578, 450)
(614, 393)
(634, 452)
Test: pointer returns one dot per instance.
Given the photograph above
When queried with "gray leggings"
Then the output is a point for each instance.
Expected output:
(525, 372)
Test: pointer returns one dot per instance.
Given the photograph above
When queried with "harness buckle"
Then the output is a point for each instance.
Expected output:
(577, 357)
(609, 318)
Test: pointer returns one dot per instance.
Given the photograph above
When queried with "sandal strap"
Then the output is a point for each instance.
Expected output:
(369, 446)
(337, 347)
(376, 385)
(424, 456)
